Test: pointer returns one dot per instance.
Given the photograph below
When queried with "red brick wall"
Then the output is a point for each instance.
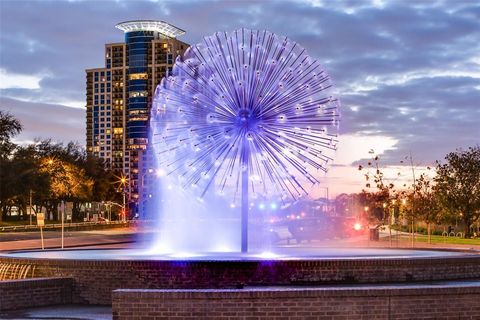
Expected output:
(26, 293)
(402, 302)
(95, 279)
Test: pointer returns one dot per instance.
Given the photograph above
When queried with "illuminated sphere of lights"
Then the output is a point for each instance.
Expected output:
(245, 101)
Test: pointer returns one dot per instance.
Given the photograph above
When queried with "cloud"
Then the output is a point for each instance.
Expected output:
(407, 72)
(354, 147)
(14, 80)
(42, 121)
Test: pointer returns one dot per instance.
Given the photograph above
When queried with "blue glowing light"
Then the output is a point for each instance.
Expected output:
(245, 101)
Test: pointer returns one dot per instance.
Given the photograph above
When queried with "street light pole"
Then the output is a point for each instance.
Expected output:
(63, 215)
(30, 206)
(123, 182)
(124, 208)
(413, 200)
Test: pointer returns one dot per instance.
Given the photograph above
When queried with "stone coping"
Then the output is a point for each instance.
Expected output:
(467, 256)
(432, 288)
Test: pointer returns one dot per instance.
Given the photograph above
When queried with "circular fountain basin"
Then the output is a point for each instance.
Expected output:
(97, 272)
(286, 253)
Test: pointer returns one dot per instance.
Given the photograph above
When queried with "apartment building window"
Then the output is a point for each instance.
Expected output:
(134, 94)
(138, 76)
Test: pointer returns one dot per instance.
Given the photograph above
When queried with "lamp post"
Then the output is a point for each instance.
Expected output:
(391, 220)
(110, 204)
(30, 206)
(123, 181)
(365, 214)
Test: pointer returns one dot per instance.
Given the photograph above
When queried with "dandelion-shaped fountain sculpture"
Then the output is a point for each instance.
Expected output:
(245, 112)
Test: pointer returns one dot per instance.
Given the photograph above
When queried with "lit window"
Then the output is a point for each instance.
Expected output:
(138, 118)
(133, 112)
(134, 94)
(138, 76)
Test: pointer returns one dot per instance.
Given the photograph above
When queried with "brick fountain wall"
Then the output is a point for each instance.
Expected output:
(95, 280)
(446, 301)
(24, 293)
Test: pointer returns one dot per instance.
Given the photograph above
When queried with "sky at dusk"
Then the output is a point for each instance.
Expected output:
(407, 72)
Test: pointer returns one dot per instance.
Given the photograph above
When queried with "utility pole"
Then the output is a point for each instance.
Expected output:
(63, 215)
(30, 206)
(124, 208)
(413, 200)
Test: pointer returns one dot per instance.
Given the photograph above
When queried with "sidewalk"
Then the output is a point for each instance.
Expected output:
(117, 238)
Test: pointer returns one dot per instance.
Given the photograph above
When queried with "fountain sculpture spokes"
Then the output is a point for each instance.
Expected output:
(245, 112)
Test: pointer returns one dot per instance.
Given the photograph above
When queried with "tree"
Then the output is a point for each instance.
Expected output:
(9, 127)
(68, 181)
(458, 185)
(50, 172)
(377, 202)
(426, 203)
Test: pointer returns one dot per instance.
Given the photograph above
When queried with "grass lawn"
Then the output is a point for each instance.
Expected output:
(24, 222)
(444, 240)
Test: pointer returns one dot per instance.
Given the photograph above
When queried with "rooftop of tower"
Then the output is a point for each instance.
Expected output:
(150, 25)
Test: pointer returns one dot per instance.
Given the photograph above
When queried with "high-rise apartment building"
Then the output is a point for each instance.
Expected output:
(119, 96)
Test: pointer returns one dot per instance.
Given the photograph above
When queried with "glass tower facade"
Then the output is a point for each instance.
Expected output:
(138, 85)
(119, 98)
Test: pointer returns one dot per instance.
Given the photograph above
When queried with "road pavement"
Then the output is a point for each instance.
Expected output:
(128, 237)
(113, 238)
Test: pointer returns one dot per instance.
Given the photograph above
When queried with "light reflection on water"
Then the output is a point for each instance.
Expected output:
(279, 254)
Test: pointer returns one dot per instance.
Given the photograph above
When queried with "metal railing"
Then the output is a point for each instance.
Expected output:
(59, 225)
(453, 234)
